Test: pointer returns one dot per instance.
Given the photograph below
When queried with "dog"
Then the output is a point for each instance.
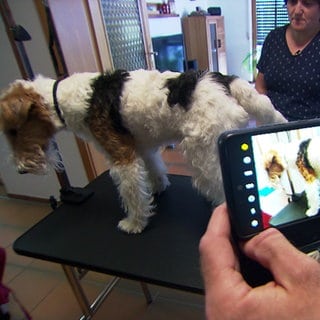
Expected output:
(302, 157)
(129, 115)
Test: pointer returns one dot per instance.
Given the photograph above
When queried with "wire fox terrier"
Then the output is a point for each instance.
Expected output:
(130, 115)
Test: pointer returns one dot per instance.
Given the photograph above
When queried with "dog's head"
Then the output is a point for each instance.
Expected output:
(25, 121)
(274, 165)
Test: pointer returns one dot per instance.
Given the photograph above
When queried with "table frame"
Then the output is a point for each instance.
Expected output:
(173, 234)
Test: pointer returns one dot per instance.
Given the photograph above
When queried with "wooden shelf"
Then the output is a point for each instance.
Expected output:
(162, 15)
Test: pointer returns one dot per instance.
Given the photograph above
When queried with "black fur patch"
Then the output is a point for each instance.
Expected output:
(182, 87)
(105, 100)
(303, 153)
(225, 80)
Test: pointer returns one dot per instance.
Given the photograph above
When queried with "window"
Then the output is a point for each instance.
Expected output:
(269, 15)
(266, 15)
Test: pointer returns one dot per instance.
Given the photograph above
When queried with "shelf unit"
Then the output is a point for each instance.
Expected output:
(204, 39)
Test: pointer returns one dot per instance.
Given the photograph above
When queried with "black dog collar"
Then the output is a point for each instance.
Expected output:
(55, 101)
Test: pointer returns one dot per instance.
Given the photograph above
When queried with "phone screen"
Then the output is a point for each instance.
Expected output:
(271, 175)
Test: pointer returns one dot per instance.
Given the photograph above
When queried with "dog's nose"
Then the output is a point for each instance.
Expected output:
(22, 171)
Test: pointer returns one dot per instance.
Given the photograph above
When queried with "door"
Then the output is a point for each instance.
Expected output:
(127, 33)
(83, 29)
(212, 45)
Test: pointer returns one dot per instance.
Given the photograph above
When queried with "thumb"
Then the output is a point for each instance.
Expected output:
(274, 252)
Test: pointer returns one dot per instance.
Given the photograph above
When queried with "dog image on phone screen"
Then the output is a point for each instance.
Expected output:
(302, 157)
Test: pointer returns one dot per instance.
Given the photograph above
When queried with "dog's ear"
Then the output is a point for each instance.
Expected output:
(14, 111)
(19, 105)
(273, 161)
(269, 159)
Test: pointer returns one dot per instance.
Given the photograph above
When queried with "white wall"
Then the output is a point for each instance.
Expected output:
(164, 26)
(238, 30)
(185, 7)
(24, 13)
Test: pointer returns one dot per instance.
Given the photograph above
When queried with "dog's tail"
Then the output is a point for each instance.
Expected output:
(258, 106)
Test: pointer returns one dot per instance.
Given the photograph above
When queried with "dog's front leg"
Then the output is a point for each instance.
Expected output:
(313, 198)
(135, 192)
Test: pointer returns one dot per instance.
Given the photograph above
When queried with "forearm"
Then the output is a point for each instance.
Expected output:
(260, 84)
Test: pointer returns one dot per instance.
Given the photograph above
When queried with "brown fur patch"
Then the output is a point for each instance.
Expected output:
(303, 163)
(26, 122)
(120, 146)
(273, 165)
(307, 173)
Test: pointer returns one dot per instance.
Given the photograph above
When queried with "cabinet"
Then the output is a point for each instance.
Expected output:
(204, 40)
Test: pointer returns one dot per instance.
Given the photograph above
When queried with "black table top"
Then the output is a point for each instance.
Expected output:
(86, 236)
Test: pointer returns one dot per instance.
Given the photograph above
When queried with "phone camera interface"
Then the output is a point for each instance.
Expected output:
(280, 177)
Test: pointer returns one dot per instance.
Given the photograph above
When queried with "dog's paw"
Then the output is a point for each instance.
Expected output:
(131, 226)
(160, 185)
(311, 212)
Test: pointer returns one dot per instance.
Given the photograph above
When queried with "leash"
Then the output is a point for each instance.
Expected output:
(55, 101)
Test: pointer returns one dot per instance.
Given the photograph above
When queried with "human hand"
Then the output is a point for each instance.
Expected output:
(294, 293)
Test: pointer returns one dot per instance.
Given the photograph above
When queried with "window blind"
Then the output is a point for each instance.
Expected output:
(270, 14)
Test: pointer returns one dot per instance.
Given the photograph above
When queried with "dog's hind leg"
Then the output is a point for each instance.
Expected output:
(132, 183)
(205, 121)
(203, 159)
(157, 170)
(257, 105)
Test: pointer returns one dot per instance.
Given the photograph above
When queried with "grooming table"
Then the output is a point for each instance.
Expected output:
(85, 237)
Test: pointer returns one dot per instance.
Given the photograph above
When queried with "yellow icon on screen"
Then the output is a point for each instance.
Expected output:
(244, 147)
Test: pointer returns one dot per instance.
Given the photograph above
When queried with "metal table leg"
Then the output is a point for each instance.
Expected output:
(87, 309)
(146, 292)
(78, 290)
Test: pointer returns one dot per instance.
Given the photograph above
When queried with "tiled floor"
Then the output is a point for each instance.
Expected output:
(42, 287)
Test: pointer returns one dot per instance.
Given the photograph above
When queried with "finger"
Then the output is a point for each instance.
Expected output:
(219, 224)
(218, 259)
(273, 251)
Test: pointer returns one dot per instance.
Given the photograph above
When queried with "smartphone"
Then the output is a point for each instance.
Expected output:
(271, 177)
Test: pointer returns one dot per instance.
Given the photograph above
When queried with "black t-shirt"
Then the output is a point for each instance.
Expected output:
(293, 81)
